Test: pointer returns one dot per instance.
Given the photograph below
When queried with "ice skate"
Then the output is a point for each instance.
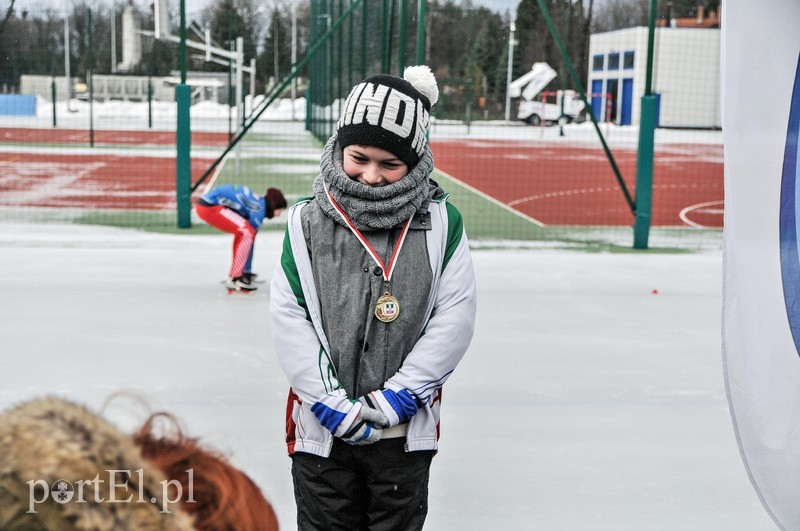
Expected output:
(253, 277)
(240, 284)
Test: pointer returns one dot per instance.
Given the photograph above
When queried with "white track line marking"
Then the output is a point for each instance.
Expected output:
(216, 173)
(491, 199)
(690, 208)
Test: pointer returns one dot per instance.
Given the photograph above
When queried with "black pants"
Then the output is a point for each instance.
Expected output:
(372, 487)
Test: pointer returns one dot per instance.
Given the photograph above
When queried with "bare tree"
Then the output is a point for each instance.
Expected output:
(9, 14)
(619, 14)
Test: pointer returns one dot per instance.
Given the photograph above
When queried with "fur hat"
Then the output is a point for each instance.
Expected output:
(50, 445)
(274, 201)
(391, 113)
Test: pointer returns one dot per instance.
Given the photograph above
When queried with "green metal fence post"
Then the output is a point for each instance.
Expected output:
(310, 92)
(385, 36)
(150, 88)
(329, 64)
(422, 8)
(401, 52)
(340, 59)
(389, 39)
(644, 159)
(183, 162)
(350, 40)
(644, 172)
(89, 78)
(231, 97)
(53, 79)
(183, 177)
(53, 97)
(364, 40)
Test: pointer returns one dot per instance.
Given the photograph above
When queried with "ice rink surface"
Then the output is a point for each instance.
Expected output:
(592, 397)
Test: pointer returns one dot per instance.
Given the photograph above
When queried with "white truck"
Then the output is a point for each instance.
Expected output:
(547, 110)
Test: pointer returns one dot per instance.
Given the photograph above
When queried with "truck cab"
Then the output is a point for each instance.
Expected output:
(550, 107)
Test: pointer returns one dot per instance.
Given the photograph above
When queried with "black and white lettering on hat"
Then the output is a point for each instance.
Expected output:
(391, 113)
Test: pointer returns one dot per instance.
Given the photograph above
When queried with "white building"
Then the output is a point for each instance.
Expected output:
(686, 76)
(131, 39)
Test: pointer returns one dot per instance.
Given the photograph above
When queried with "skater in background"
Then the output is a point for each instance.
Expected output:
(234, 208)
(62, 465)
(372, 306)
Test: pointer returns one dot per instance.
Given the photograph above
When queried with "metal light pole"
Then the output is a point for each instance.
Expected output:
(422, 15)
(512, 30)
(113, 38)
(53, 78)
(66, 63)
(90, 79)
(294, 54)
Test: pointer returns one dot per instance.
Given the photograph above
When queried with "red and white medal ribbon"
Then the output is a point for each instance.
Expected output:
(387, 308)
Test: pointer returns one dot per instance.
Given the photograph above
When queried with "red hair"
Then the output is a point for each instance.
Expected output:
(225, 498)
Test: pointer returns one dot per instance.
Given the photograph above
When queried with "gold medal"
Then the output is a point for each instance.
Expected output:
(387, 309)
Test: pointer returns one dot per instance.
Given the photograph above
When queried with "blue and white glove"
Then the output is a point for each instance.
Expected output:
(351, 421)
(398, 406)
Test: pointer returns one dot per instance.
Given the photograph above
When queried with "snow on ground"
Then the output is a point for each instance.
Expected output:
(592, 397)
(210, 116)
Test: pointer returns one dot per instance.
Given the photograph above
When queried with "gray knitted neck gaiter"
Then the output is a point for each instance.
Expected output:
(368, 207)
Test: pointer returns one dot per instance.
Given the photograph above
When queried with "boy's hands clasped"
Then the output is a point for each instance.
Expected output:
(366, 428)
(362, 421)
(398, 407)
(350, 420)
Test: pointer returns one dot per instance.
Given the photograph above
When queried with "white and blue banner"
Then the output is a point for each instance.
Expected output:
(761, 257)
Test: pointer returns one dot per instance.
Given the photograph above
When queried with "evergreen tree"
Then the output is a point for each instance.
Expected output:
(228, 22)
(619, 14)
(275, 59)
(536, 41)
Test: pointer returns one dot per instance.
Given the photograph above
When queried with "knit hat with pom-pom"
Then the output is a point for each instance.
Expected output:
(391, 113)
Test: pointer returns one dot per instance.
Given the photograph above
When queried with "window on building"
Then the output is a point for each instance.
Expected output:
(613, 61)
(597, 62)
(627, 60)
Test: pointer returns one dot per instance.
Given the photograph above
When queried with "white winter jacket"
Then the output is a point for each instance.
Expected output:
(304, 350)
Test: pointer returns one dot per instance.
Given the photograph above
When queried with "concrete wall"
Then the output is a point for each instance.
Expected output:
(207, 86)
(41, 86)
(688, 77)
(106, 87)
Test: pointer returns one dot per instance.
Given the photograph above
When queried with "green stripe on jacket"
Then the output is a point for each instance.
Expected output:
(290, 270)
(455, 229)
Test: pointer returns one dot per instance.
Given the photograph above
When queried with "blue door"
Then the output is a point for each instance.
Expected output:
(612, 86)
(597, 98)
(627, 102)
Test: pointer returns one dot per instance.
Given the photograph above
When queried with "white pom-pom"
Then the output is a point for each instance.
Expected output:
(424, 81)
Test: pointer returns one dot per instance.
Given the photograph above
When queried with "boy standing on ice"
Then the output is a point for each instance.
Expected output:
(234, 208)
(372, 306)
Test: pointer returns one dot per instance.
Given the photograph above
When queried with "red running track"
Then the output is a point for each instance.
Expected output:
(554, 183)
(82, 136)
(575, 185)
(95, 181)
(90, 181)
